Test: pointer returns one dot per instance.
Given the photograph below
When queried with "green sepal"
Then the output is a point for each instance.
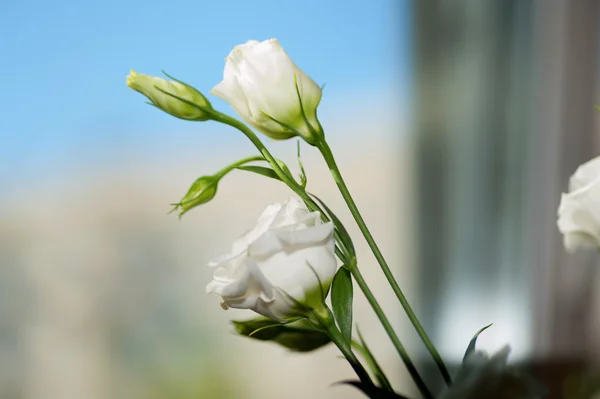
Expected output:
(314, 135)
(343, 233)
(210, 112)
(291, 131)
(303, 178)
(372, 391)
(342, 293)
(299, 335)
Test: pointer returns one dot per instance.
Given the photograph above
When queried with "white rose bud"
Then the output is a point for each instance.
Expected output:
(287, 257)
(154, 88)
(579, 210)
(270, 92)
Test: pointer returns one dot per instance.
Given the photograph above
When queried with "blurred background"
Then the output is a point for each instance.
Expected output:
(456, 123)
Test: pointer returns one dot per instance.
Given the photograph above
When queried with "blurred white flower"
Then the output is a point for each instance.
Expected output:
(151, 87)
(288, 256)
(579, 210)
(483, 376)
(260, 82)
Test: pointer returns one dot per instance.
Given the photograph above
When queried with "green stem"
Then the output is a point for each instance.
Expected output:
(350, 263)
(266, 155)
(325, 320)
(234, 165)
(287, 179)
(337, 176)
(414, 373)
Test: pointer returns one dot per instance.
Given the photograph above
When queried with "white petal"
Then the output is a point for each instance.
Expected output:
(295, 272)
(579, 218)
(242, 285)
(230, 90)
(585, 174)
(289, 252)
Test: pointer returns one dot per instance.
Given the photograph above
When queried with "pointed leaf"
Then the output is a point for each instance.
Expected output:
(341, 301)
(298, 335)
(374, 392)
(261, 170)
(374, 365)
(471, 347)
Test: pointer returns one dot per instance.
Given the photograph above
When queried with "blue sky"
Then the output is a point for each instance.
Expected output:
(64, 66)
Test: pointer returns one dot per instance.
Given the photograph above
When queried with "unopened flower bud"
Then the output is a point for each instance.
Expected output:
(201, 191)
(161, 93)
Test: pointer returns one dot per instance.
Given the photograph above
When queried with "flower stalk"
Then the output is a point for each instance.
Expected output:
(339, 180)
(323, 318)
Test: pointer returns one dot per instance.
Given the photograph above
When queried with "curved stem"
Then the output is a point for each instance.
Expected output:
(337, 176)
(287, 179)
(234, 165)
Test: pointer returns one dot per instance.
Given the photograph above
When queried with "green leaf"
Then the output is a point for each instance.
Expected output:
(343, 233)
(372, 391)
(471, 347)
(261, 170)
(374, 365)
(297, 335)
(341, 302)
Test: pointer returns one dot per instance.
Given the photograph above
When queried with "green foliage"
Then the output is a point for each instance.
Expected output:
(342, 293)
(298, 336)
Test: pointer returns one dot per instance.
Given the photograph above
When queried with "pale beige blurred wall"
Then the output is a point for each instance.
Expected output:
(103, 293)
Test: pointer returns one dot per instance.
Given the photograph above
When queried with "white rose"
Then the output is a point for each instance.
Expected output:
(279, 258)
(579, 210)
(260, 78)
